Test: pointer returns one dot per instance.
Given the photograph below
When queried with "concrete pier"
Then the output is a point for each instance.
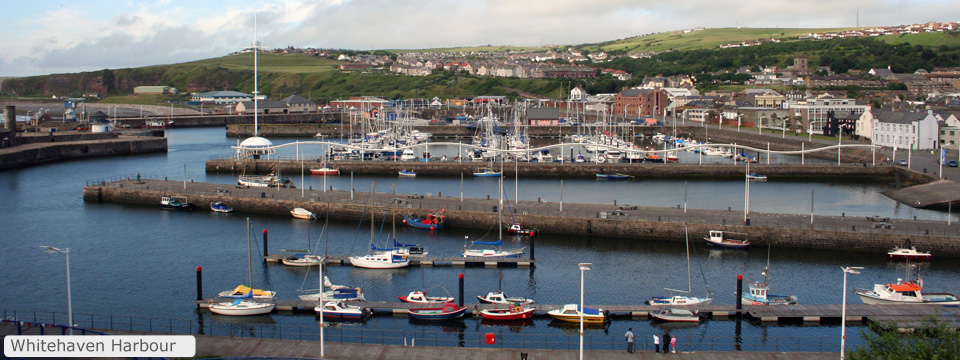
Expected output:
(52, 151)
(597, 220)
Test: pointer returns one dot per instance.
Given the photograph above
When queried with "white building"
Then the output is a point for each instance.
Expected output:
(813, 111)
(578, 94)
(904, 130)
(224, 97)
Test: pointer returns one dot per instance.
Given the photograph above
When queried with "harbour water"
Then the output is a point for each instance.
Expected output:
(136, 260)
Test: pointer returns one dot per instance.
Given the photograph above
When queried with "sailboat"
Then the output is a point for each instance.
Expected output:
(379, 259)
(305, 259)
(497, 250)
(245, 304)
(678, 300)
(759, 291)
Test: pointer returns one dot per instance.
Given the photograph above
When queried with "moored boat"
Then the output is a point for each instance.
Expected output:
(571, 313)
(220, 207)
(242, 307)
(270, 180)
(487, 173)
(756, 177)
(341, 310)
(676, 315)
(512, 314)
(497, 251)
(175, 202)
(429, 221)
(908, 253)
(301, 260)
(336, 293)
(497, 297)
(727, 239)
(301, 213)
(242, 291)
(421, 297)
(905, 292)
(518, 229)
(407, 173)
(448, 311)
(614, 176)
(679, 300)
(380, 260)
(324, 170)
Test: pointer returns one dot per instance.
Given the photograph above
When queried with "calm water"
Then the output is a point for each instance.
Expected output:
(137, 260)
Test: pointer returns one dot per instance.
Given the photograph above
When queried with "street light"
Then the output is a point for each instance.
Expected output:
(843, 311)
(583, 267)
(65, 251)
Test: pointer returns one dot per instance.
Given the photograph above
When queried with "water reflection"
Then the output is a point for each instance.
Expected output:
(572, 328)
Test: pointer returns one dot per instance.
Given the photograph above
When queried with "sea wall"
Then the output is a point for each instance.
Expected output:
(33, 154)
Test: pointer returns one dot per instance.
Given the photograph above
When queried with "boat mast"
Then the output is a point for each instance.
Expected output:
(256, 49)
(500, 207)
(373, 201)
(689, 283)
(766, 270)
(249, 258)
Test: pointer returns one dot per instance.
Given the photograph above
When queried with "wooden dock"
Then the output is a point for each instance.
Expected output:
(453, 261)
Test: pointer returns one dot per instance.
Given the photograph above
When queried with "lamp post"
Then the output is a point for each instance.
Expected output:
(65, 251)
(583, 267)
(843, 310)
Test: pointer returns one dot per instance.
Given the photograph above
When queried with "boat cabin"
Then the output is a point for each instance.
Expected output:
(902, 291)
(759, 291)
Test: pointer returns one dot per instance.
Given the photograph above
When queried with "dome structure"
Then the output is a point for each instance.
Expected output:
(254, 146)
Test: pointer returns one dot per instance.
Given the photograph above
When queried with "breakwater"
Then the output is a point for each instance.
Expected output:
(38, 153)
(795, 172)
(591, 220)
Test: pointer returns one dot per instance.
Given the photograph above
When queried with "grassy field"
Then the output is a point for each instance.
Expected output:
(706, 39)
(489, 49)
(928, 39)
(284, 63)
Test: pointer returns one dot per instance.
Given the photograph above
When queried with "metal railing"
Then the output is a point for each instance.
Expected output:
(454, 334)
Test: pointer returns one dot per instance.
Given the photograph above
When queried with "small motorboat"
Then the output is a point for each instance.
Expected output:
(676, 315)
(653, 158)
(512, 314)
(407, 173)
(421, 297)
(301, 260)
(908, 253)
(672, 157)
(571, 313)
(429, 221)
(326, 171)
(518, 229)
(448, 311)
(497, 297)
(219, 207)
(614, 176)
(175, 202)
(756, 177)
(301, 213)
(487, 173)
(727, 239)
(340, 310)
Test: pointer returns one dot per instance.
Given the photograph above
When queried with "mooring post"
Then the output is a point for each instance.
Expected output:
(533, 255)
(199, 284)
(460, 298)
(266, 250)
(739, 292)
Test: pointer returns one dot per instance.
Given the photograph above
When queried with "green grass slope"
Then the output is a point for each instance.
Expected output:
(705, 39)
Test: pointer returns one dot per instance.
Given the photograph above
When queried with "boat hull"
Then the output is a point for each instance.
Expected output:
(918, 257)
(675, 316)
(325, 172)
(771, 300)
(588, 319)
(874, 300)
(507, 314)
(417, 223)
(436, 313)
(369, 263)
(243, 309)
(727, 244)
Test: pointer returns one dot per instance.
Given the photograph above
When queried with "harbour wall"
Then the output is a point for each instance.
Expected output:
(39, 153)
(584, 225)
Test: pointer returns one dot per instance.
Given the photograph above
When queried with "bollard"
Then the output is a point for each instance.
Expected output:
(199, 284)
(533, 255)
(739, 292)
(460, 299)
(614, 202)
(266, 251)
(439, 193)
(311, 187)
(488, 196)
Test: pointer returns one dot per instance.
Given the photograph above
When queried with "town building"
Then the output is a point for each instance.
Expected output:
(299, 104)
(903, 130)
(223, 97)
(813, 111)
(543, 116)
(262, 107)
(641, 102)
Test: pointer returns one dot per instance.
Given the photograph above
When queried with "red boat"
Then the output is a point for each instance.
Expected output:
(514, 313)
(325, 171)
(518, 229)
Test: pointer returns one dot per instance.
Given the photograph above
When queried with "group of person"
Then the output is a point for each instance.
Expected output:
(669, 343)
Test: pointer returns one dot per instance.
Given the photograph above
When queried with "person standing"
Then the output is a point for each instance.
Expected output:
(629, 336)
(656, 343)
(673, 345)
(666, 342)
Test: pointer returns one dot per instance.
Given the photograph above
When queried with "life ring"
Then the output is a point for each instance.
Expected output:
(517, 309)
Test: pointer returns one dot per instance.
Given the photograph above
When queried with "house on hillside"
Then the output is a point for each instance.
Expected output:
(299, 104)
(902, 129)
(641, 102)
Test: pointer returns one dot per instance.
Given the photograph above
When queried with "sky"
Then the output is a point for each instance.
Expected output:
(41, 37)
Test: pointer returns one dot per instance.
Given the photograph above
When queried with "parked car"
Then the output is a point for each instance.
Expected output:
(902, 162)
(952, 163)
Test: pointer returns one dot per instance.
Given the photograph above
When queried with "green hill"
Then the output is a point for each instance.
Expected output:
(695, 40)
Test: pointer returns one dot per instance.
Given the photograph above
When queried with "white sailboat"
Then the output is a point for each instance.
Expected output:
(379, 259)
(679, 300)
(497, 250)
(245, 304)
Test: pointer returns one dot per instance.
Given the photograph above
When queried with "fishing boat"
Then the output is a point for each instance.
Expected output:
(653, 158)
(429, 221)
(497, 297)
(676, 315)
(340, 310)
(727, 239)
(760, 291)
(421, 297)
(301, 213)
(326, 171)
(487, 173)
(512, 314)
(518, 229)
(905, 292)
(614, 176)
(680, 300)
(219, 207)
(756, 177)
(571, 313)
(407, 173)
(448, 311)
(336, 293)
(908, 253)
(175, 202)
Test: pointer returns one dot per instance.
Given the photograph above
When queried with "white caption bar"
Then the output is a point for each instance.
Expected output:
(100, 346)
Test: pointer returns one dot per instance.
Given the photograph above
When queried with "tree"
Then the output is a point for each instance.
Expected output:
(933, 340)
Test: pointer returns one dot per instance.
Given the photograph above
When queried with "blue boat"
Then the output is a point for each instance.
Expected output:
(409, 173)
(615, 176)
(220, 207)
(431, 221)
(448, 311)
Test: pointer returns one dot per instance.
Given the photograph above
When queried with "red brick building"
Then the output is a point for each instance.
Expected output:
(641, 102)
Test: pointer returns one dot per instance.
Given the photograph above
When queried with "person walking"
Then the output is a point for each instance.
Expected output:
(666, 342)
(656, 343)
(673, 345)
(629, 336)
